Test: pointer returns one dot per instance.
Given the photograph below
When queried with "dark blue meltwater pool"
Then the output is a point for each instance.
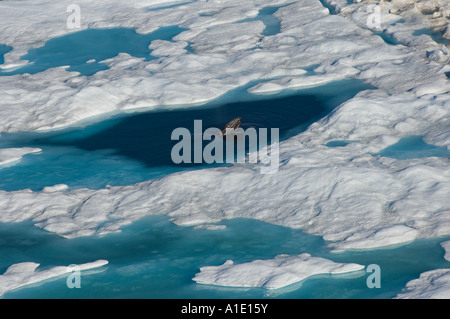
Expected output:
(135, 148)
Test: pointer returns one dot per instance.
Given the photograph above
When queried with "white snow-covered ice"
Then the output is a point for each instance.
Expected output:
(275, 273)
(355, 200)
(25, 273)
(433, 284)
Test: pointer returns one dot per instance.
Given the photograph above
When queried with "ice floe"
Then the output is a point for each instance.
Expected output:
(275, 273)
(11, 155)
(25, 273)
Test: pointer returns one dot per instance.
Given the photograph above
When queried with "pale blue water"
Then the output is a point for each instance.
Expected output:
(76, 168)
(338, 143)
(414, 147)
(152, 258)
(78, 48)
(272, 24)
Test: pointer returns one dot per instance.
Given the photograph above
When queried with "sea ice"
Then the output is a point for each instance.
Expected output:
(433, 284)
(22, 274)
(10, 155)
(275, 273)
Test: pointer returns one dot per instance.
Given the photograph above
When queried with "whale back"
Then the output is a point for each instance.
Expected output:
(231, 126)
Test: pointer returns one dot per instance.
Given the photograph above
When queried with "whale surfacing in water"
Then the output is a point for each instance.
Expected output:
(231, 126)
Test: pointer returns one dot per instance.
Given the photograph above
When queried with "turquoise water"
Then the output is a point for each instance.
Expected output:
(77, 169)
(4, 49)
(152, 258)
(82, 51)
(338, 143)
(414, 147)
